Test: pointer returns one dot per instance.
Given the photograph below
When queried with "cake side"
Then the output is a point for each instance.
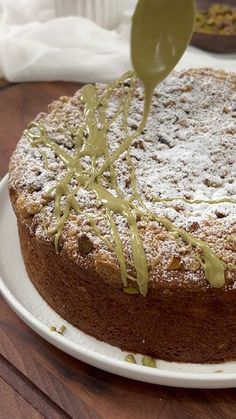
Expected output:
(180, 325)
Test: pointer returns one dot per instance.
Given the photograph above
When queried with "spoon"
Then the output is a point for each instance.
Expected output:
(161, 31)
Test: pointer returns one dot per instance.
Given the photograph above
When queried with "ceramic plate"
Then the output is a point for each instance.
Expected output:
(23, 298)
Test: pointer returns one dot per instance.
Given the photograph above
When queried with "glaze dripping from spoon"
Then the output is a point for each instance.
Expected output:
(161, 31)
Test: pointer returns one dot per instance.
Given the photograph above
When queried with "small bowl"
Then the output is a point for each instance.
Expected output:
(214, 42)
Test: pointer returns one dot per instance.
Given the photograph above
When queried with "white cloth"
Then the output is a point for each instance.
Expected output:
(36, 45)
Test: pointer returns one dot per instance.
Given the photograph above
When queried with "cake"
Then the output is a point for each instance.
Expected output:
(134, 241)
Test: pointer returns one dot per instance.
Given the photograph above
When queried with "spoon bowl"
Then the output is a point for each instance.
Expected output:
(161, 31)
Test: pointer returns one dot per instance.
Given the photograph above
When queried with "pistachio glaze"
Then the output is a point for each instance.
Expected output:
(90, 141)
(94, 108)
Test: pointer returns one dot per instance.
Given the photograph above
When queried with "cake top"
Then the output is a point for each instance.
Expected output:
(165, 199)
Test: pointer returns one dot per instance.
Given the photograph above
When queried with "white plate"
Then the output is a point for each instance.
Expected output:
(21, 295)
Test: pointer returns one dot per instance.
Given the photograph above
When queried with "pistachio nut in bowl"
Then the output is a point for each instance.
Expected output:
(215, 26)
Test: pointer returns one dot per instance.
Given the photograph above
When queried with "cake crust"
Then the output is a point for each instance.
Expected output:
(183, 318)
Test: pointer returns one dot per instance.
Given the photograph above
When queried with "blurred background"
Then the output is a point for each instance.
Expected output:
(88, 40)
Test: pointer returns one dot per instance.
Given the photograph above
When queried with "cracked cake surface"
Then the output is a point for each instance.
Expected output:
(186, 155)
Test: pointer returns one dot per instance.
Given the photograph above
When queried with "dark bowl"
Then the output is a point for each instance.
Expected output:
(211, 42)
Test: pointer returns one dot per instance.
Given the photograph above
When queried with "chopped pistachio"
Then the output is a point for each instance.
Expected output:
(61, 330)
(130, 358)
(217, 19)
(53, 329)
(175, 264)
(85, 244)
(148, 361)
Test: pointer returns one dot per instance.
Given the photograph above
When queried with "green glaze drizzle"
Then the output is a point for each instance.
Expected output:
(131, 290)
(115, 203)
(195, 201)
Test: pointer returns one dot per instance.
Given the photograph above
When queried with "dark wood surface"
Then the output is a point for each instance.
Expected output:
(38, 380)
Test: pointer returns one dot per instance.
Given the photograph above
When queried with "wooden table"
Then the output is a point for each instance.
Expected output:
(38, 380)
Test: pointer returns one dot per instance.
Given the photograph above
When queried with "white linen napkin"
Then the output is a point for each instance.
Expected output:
(37, 45)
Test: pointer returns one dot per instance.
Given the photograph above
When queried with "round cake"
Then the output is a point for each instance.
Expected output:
(131, 237)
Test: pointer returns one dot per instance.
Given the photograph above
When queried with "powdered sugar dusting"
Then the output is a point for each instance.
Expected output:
(187, 150)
